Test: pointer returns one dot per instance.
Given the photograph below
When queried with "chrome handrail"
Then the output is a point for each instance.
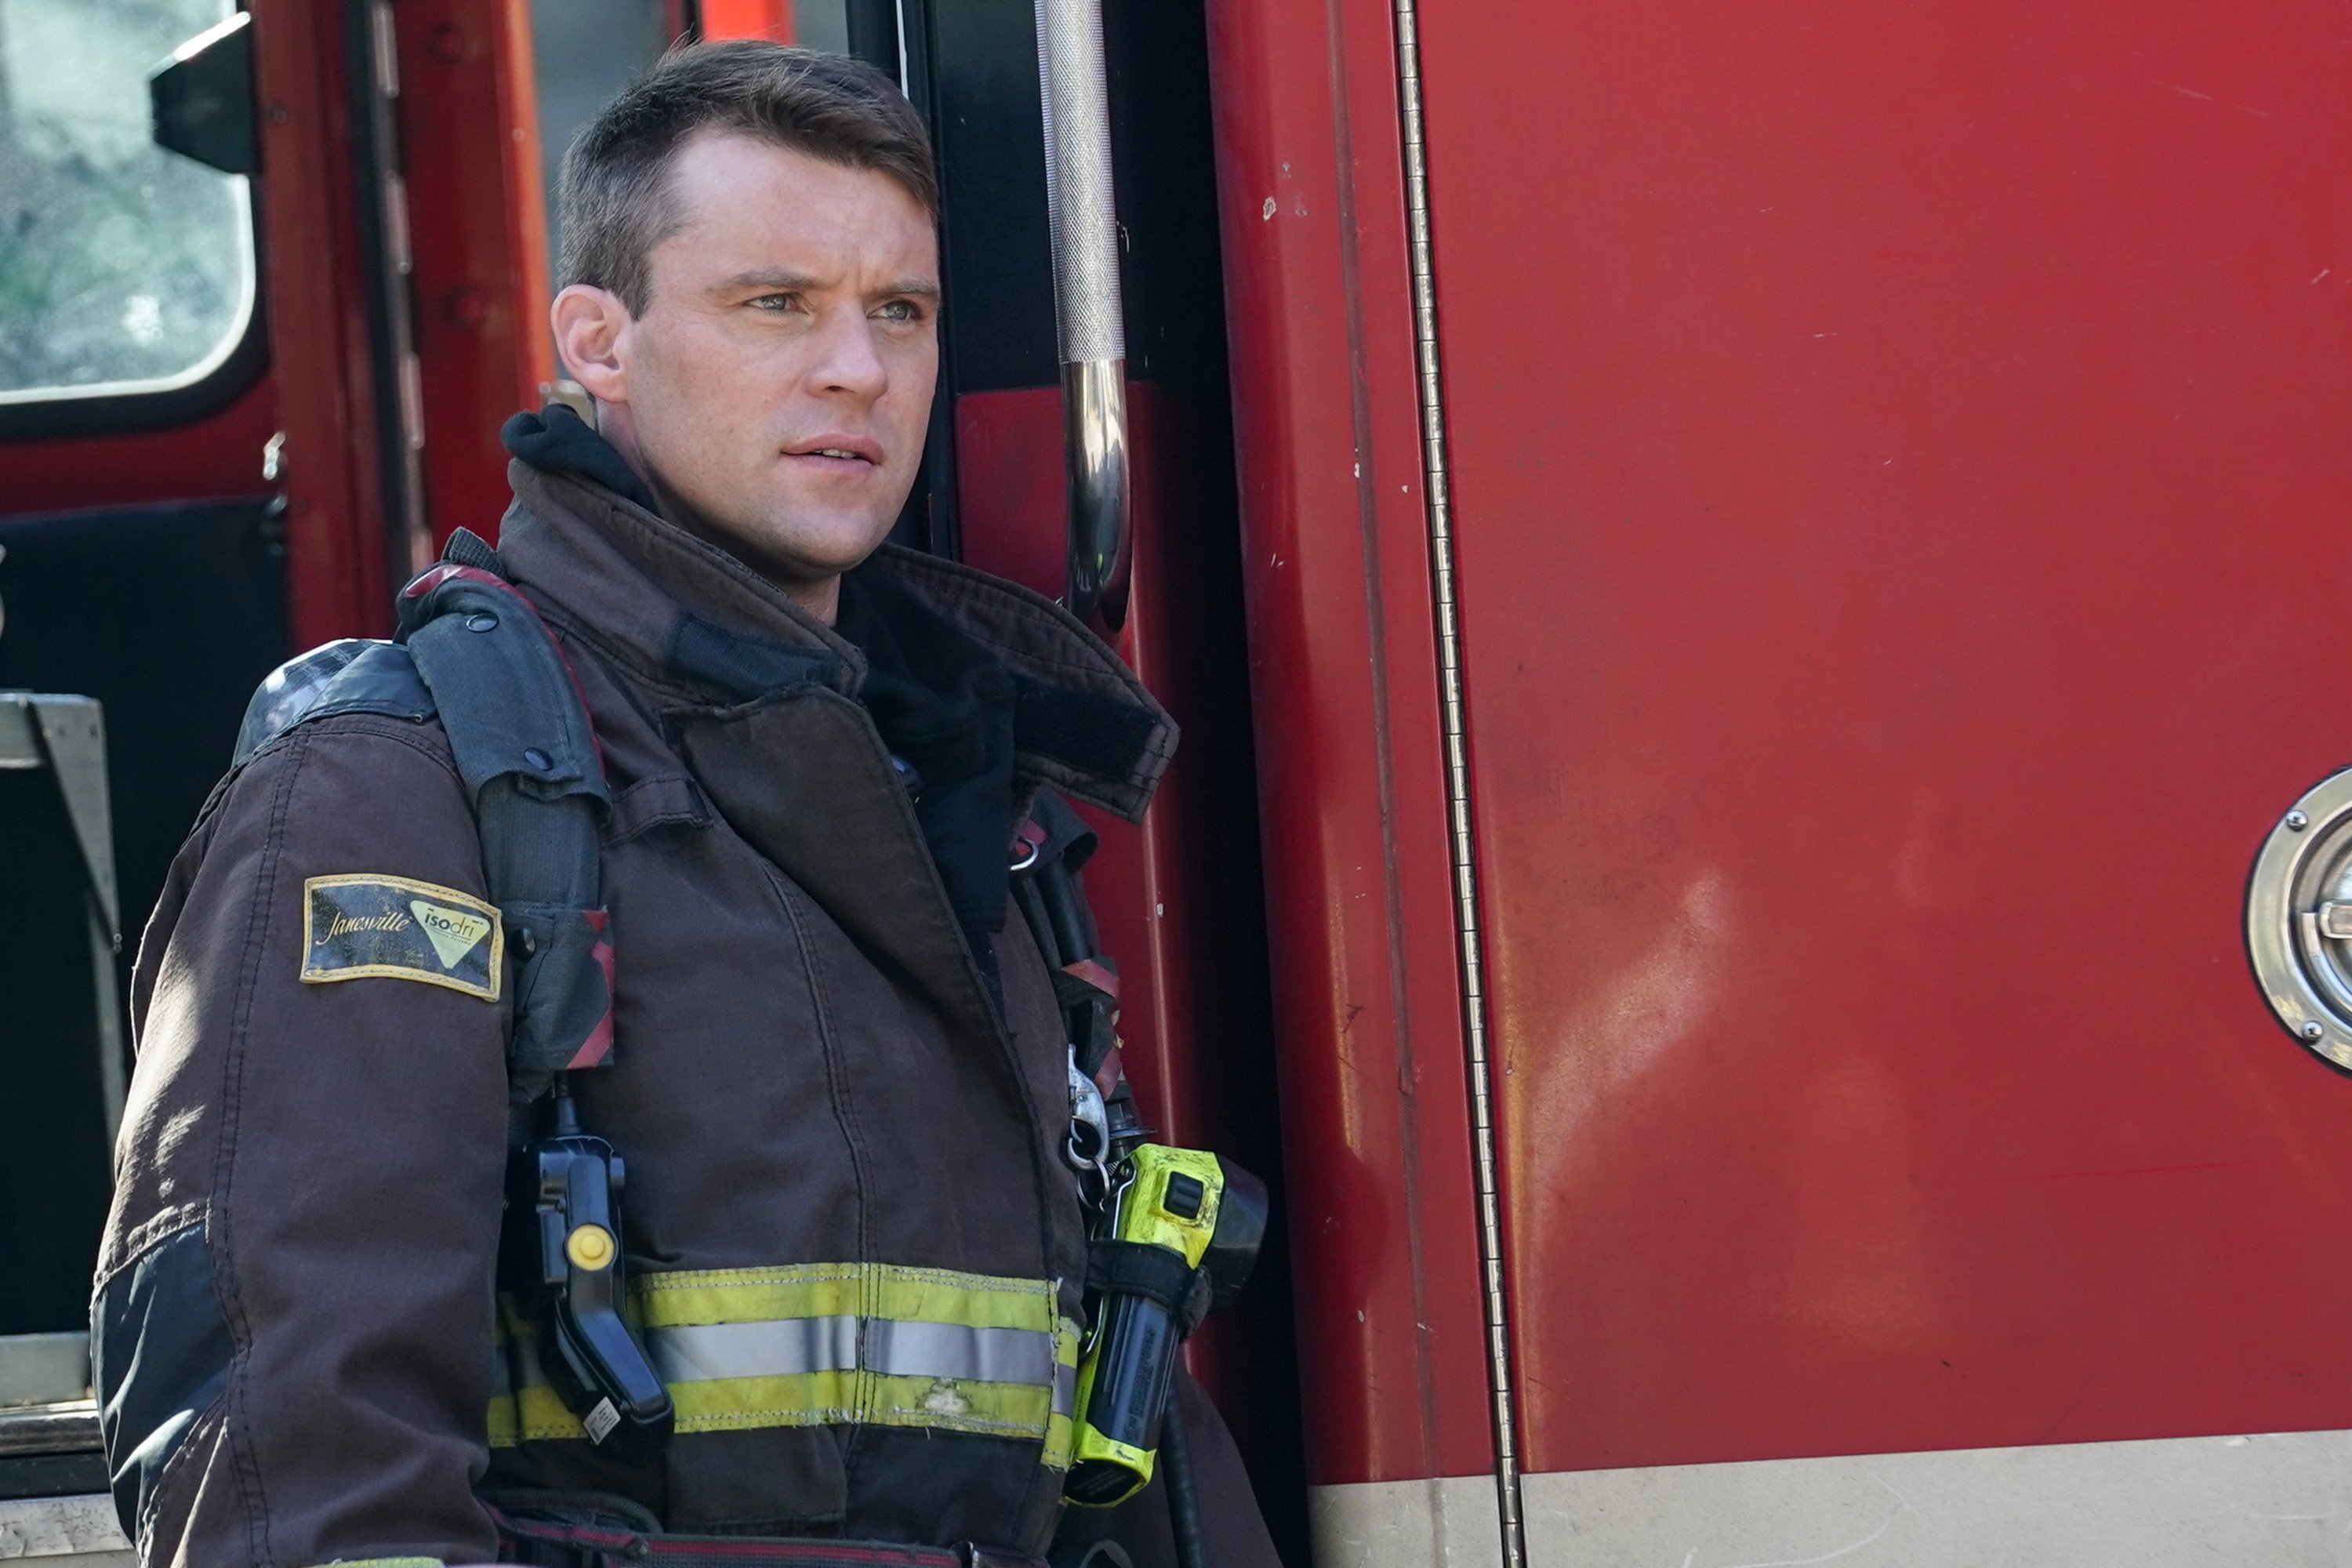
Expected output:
(68, 1428)
(1090, 325)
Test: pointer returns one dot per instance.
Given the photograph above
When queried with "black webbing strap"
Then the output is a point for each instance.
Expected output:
(520, 733)
(563, 1543)
(1053, 903)
(1154, 1273)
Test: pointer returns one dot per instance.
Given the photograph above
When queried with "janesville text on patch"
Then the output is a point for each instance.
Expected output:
(354, 927)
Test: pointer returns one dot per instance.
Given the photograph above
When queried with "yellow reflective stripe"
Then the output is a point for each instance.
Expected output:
(502, 1421)
(791, 1399)
(503, 1399)
(1005, 1409)
(1060, 1435)
(998, 1409)
(532, 1411)
(846, 1398)
(973, 1300)
(831, 1345)
(749, 1295)
(843, 1289)
(540, 1415)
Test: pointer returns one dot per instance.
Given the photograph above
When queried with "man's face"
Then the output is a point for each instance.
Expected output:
(776, 387)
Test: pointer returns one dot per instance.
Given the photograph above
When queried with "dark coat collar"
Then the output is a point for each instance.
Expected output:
(687, 618)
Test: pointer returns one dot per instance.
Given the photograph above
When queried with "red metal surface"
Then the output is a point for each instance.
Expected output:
(1174, 896)
(1160, 891)
(1008, 449)
(317, 290)
(478, 233)
(219, 456)
(747, 19)
(1367, 995)
(1901, 473)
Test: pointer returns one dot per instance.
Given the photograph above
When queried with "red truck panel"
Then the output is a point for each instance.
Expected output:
(1902, 469)
(478, 230)
(316, 280)
(217, 455)
(1366, 989)
(1173, 897)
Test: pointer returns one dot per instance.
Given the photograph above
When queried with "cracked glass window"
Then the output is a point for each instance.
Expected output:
(123, 268)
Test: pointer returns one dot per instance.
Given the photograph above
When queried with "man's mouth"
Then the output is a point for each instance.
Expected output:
(839, 449)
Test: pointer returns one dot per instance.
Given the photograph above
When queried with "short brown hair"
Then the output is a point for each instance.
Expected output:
(615, 205)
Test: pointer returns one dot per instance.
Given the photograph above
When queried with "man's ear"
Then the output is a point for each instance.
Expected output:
(592, 334)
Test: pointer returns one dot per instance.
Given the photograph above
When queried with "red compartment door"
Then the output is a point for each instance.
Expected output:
(1902, 464)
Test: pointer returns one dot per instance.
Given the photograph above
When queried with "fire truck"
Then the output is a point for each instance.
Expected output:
(1752, 851)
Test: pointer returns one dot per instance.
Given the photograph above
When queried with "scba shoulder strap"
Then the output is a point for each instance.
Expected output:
(472, 651)
(519, 733)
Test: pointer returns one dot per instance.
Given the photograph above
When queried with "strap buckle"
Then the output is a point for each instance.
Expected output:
(986, 1557)
(1087, 1148)
(1028, 844)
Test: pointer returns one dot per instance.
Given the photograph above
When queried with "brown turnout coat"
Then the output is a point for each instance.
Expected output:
(813, 1090)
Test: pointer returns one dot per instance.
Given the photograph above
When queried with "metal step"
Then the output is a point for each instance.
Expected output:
(54, 1508)
(57, 1531)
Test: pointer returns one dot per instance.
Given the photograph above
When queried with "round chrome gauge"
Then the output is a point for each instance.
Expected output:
(2299, 919)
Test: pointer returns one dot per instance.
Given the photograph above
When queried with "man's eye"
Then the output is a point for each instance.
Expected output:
(776, 303)
(901, 310)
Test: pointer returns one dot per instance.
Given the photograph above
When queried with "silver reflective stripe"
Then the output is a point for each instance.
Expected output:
(1065, 1391)
(702, 1352)
(897, 1349)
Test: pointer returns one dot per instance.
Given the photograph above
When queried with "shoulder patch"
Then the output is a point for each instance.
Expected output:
(360, 926)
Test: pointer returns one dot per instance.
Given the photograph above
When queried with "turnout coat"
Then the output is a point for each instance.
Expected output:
(855, 1255)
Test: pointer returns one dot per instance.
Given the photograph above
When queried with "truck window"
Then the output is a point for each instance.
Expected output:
(124, 268)
(584, 51)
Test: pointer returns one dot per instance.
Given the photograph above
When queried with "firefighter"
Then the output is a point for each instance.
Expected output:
(837, 1082)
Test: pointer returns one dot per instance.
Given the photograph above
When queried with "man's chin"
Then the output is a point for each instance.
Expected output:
(801, 555)
(797, 544)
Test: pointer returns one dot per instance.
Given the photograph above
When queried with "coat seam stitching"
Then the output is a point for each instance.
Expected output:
(619, 660)
(215, 1416)
(142, 1239)
(245, 1463)
(844, 1106)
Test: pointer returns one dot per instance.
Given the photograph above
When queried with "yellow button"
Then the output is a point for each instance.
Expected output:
(589, 1246)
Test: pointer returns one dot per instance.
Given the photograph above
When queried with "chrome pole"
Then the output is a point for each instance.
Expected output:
(1088, 319)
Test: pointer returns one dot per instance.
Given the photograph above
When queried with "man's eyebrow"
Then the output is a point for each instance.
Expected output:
(768, 278)
(783, 279)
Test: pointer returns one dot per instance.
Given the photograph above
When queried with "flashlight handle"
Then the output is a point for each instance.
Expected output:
(1133, 1365)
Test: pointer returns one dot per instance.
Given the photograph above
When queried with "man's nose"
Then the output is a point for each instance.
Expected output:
(848, 360)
